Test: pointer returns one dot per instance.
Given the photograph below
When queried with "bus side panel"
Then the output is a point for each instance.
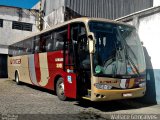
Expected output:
(19, 64)
(10, 69)
(14, 65)
(31, 68)
(43, 69)
(24, 70)
(55, 66)
(70, 89)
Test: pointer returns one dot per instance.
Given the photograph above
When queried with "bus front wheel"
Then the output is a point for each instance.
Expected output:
(17, 78)
(60, 89)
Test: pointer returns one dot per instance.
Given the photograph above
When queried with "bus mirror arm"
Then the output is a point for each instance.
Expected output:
(10, 55)
(91, 42)
(90, 37)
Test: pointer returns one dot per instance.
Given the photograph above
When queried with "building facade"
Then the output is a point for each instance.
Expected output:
(15, 23)
(58, 11)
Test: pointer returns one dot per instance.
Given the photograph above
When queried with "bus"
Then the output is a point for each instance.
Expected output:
(90, 58)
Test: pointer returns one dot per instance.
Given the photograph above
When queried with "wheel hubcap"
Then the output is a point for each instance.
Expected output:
(17, 79)
(61, 89)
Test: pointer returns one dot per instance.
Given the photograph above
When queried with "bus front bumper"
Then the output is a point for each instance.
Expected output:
(107, 95)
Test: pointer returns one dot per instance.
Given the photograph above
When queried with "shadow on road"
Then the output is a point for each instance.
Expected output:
(110, 106)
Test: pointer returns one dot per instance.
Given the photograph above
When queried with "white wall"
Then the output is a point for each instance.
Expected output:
(156, 2)
(149, 31)
(55, 17)
(3, 50)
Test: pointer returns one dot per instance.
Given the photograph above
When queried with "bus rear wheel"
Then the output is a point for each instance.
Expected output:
(60, 89)
(17, 78)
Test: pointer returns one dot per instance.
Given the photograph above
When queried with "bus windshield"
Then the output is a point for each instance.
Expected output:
(118, 50)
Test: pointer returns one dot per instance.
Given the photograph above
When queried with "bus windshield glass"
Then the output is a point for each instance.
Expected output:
(118, 50)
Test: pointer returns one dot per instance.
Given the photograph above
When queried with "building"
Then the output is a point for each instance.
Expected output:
(58, 11)
(15, 23)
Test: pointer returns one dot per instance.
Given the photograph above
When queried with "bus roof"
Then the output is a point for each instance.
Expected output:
(82, 19)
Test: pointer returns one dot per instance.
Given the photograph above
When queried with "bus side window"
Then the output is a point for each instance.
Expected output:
(10, 50)
(83, 48)
(20, 48)
(48, 42)
(36, 43)
(16, 49)
(79, 38)
(28, 46)
(60, 37)
(42, 44)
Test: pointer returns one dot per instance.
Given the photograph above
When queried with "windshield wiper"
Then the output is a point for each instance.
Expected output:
(132, 64)
(127, 57)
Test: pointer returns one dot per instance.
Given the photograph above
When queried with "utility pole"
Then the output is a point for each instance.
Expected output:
(41, 19)
(40, 25)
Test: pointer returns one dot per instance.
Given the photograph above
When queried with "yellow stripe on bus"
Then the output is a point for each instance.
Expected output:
(43, 69)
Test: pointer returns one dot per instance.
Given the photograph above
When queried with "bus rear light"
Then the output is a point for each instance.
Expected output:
(102, 86)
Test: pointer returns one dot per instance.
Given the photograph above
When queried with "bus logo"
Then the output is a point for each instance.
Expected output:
(15, 61)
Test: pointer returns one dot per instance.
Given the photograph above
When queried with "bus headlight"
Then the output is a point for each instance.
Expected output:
(143, 84)
(102, 86)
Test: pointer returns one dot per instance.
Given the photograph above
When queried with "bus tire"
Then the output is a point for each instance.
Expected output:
(60, 89)
(17, 78)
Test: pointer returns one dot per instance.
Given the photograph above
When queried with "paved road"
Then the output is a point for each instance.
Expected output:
(29, 102)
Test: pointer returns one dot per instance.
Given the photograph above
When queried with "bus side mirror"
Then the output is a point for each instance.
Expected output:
(91, 42)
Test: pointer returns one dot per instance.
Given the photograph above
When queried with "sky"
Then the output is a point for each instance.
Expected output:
(19, 3)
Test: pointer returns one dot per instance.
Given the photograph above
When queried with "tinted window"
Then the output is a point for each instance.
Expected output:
(36, 43)
(48, 39)
(10, 50)
(20, 48)
(42, 43)
(28, 48)
(79, 38)
(15, 49)
(60, 37)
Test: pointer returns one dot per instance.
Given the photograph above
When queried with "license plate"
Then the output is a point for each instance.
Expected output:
(127, 94)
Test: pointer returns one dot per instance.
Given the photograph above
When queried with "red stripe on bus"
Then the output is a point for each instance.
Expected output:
(51, 56)
(37, 67)
(51, 65)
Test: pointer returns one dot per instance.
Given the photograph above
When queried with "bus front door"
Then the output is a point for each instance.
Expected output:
(69, 58)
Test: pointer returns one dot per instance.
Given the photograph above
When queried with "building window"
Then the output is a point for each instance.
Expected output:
(1, 23)
(22, 26)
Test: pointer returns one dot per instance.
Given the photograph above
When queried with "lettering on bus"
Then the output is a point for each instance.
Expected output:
(110, 81)
(15, 61)
(58, 59)
(59, 65)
